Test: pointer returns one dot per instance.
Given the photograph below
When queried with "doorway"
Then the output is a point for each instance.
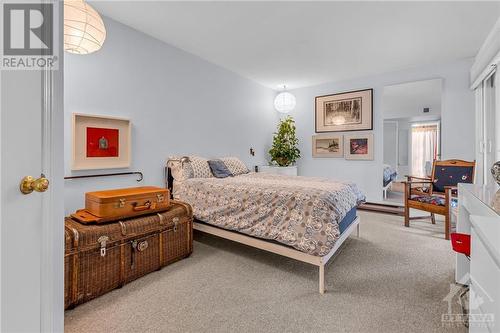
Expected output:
(412, 125)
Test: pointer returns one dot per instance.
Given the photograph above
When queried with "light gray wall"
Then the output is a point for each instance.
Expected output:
(457, 122)
(408, 100)
(177, 103)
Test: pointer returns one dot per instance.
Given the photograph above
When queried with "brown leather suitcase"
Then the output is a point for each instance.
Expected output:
(111, 205)
(102, 257)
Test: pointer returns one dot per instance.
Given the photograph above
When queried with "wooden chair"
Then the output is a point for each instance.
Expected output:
(434, 194)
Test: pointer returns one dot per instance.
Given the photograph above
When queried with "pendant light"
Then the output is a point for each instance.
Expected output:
(284, 101)
(84, 30)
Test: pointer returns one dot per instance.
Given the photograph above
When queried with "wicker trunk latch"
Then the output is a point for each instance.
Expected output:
(176, 221)
(103, 240)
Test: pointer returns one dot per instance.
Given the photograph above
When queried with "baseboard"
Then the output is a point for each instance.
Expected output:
(382, 208)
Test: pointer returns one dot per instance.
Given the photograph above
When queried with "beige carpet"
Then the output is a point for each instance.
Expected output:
(392, 279)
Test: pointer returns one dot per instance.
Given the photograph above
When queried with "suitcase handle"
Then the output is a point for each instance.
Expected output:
(146, 206)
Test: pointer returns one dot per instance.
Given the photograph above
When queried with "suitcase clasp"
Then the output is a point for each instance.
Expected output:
(121, 203)
(103, 240)
(160, 197)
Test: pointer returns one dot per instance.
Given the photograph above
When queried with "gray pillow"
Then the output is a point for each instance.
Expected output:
(219, 169)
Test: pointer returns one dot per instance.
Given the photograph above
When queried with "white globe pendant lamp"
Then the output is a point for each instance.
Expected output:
(84, 30)
(284, 101)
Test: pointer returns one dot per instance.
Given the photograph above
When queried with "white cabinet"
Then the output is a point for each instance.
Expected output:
(484, 294)
(289, 171)
(479, 216)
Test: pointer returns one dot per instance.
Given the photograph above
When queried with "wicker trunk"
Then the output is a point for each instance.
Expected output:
(100, 258)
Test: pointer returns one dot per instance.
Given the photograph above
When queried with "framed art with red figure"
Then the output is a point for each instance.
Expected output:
(100, 142)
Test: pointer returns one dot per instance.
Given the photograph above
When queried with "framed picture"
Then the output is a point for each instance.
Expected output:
(100, 142)
(358, 146)
(350, 111)
(327, 145)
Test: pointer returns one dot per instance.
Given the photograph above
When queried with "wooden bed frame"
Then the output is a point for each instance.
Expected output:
(273, 247)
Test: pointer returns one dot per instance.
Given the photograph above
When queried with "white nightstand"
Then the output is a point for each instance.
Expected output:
(289, 171)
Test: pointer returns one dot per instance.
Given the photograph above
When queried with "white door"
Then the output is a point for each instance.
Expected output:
(479, 137)
(31, 225)
(487, 117)
(391, 143)
(489, 126)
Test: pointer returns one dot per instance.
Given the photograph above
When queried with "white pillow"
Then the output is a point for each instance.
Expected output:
(175, 168)
(235, 165)
(200, 167)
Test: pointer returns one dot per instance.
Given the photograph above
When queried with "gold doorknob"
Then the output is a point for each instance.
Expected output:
(30, 184)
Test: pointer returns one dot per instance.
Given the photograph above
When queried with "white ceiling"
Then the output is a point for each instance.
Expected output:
(407, 100)
(307, 43)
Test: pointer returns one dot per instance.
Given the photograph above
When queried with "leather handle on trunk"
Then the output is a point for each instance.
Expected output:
(146, 206)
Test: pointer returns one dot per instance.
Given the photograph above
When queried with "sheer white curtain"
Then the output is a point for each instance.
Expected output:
(424, 140)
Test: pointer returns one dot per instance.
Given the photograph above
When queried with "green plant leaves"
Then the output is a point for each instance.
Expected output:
(284, 151)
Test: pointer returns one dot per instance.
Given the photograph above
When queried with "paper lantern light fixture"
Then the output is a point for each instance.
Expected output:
(84, 30)
(284, 102)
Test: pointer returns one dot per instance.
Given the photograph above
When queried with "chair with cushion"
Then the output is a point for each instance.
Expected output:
(435, 194)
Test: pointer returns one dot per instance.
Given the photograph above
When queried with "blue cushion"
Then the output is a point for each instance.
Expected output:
(219, 169)
(450, 176)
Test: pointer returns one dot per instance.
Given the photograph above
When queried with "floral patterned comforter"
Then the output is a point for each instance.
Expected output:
(302, 212)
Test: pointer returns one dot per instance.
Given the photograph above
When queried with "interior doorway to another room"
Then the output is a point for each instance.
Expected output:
(412, 125)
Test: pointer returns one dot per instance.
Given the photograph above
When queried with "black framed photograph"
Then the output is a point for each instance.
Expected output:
(348, 111)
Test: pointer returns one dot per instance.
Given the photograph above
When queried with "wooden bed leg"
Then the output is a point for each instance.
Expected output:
(322, 279)
(357, 230)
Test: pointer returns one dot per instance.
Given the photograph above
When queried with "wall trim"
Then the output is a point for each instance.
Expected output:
(52, 237)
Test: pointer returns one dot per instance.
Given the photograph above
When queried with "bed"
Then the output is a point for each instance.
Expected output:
(303, 218)
(390, 174)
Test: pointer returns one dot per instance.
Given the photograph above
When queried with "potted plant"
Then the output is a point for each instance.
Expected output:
(284, 151)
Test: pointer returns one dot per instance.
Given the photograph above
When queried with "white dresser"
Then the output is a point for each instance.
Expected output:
(289, 171)
(479, 216)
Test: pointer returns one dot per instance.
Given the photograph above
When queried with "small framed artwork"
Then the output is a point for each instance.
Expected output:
(350, 111)
(100, 142)
(358, 146)
(327, 146)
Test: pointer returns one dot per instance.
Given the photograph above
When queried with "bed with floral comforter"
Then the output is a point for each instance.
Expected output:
(302, 212)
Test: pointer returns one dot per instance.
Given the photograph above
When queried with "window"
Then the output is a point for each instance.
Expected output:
(424, 147)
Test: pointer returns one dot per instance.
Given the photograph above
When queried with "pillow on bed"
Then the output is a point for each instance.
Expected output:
(200, 167)
(178, 173)
(219, 169)
(235, 165)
